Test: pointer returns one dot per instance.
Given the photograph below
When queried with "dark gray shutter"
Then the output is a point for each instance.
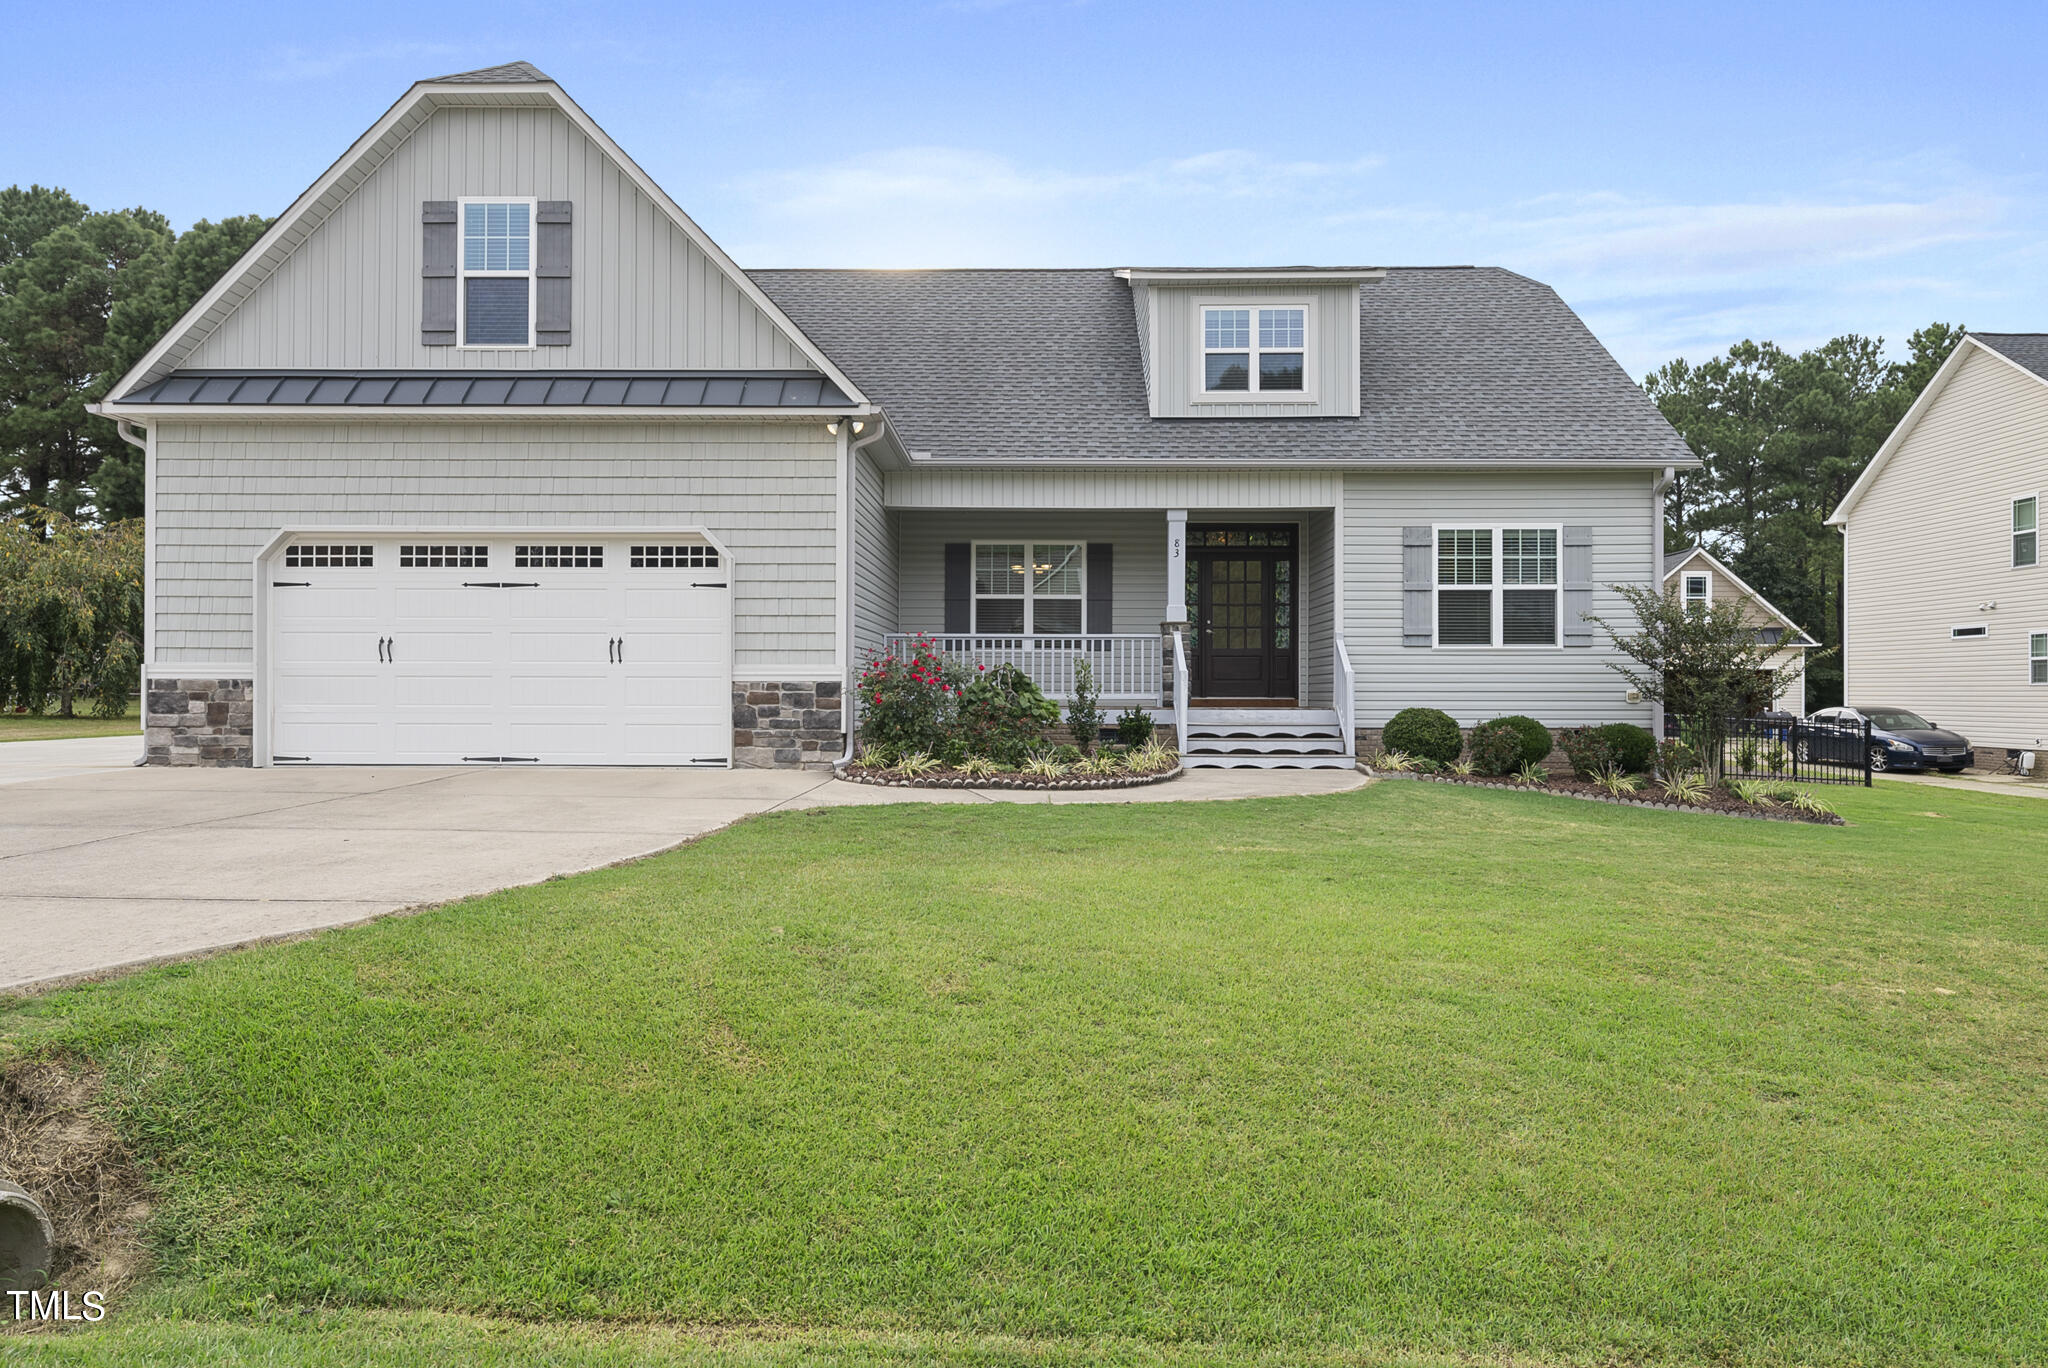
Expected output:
(1576, 572)
(1418, 586)
(1101, 587)
(551, 256)
(959, 586)
(437, 273)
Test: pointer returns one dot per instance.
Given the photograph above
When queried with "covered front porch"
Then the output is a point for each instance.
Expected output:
(1222, 625)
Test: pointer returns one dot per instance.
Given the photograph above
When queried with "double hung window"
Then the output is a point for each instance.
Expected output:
(2026, 533)
(1497, 586)
(1033, 588)
(1255, 349)
(497, 273)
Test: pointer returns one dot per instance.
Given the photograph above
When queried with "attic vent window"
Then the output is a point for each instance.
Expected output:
(1256, 349)
(497, 273)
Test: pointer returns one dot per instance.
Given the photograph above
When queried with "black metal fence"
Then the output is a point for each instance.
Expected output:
(1780, 746)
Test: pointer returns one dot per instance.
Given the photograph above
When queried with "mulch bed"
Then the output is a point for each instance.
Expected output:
(888, 778)
(1719, 801)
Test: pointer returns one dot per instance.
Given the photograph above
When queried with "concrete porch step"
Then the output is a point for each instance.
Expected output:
(1271, 717)
(1198, 761)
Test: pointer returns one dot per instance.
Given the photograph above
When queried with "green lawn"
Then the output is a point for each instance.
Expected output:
(16, 726)
(1404, 1075)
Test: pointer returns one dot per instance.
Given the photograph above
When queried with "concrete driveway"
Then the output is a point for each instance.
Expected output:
(104, 865)
(120, 867)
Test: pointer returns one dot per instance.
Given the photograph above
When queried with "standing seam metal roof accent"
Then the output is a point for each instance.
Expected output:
(469, 389)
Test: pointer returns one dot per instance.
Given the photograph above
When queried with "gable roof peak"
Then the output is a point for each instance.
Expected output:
(509, 73)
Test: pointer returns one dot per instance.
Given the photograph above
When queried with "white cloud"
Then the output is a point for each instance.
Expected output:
(301, 64)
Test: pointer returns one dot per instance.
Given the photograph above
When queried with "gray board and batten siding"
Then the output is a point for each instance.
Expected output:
(349, 296)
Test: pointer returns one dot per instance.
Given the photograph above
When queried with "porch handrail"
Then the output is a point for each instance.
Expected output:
(1126, 665)
(1345, 693)
(1180, 691)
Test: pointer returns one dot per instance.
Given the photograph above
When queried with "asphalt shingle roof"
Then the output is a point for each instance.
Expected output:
(511, 73)
(2026, 349)
(1458, 363)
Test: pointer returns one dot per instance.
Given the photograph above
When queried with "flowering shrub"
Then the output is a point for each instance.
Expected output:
(911, 703)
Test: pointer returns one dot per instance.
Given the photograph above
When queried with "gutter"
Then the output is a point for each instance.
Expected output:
(849, 692)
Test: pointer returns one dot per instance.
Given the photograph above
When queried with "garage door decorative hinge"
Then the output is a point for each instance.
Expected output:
(504, 759)
(501, 584)
(698, 584)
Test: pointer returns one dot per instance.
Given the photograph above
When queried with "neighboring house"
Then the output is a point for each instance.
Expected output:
(1696, 575)
(487, 453)
(1945, 597)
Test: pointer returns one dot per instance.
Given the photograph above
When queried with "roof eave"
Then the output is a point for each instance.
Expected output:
(148, 413)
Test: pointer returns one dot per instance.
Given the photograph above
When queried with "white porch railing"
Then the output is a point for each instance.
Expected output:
(1180, 691)
(1344, 692)
(1127, 667)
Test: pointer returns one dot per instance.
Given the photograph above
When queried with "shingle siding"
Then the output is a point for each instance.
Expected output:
(768, 491)
(1931, 539)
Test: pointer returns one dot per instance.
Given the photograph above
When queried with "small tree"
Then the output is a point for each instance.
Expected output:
(70, 613)
(1703, 662)
(1084, 719)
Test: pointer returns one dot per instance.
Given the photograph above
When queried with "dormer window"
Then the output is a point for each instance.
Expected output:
(1699, 591)
(497, 273)
(1254, 349)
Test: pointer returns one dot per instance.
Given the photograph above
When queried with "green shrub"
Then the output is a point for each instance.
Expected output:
(1133, 726)
(1084, 719)
(1496, 747)
(1067, 755)
(1002, 714)
(953, 752)
(1587, 750)
(1632, 747)
(1535, 739)
(1424, 733)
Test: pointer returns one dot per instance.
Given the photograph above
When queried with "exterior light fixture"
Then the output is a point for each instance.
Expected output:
(833, 427)
(858, 427)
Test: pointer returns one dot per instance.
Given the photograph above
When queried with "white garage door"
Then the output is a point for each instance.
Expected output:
(481, 648)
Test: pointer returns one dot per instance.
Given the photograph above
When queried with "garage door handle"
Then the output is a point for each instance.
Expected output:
(622, 650)
(501, 584)
(380, 651)
(390, 650)
(611, 649)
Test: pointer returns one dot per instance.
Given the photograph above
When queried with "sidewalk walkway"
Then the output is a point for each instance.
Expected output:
(2004, 784)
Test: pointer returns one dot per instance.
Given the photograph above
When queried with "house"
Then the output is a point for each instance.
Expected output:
(1945, 599)
(486, 453)
(1697, 575)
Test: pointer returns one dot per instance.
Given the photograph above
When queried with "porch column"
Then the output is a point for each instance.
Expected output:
(1176, 598)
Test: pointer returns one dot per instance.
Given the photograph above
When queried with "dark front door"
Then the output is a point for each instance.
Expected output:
(1241, 597)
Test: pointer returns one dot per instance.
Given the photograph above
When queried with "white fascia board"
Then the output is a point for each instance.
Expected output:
(925, 460)
(1840, 517)
(287, 230)
(276, 413)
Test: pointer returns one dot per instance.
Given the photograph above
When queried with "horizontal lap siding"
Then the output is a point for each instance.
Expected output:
(1931, 540)
(1140, 558)
(645, 295)
(1557, 686)
(768, 491)
(1315, 598)
(874, 559)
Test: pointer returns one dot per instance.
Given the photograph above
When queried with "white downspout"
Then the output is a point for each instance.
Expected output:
(849, 692)
(1657, 488)
(141, 443)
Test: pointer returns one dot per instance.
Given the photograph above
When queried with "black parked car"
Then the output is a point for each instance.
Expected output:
(1900, 739)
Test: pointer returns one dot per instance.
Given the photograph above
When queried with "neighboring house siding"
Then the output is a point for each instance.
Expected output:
(645, 296)
(1930, 540)
(1175, 350)
(768, 491)
(1791, 696)
(1139, 538)
(1559, 687)
(874, 560)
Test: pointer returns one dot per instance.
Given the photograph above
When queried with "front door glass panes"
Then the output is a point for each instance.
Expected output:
(1237, 605)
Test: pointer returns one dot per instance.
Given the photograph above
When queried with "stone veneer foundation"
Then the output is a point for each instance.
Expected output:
(787, 724)
(200, 722)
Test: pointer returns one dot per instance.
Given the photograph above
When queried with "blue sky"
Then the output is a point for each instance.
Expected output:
(1684, 175)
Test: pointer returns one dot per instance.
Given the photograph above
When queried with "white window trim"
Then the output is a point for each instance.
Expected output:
(1685, 599)
(1307, 394)
(1969, 631)
(463, 273)
(1029, 596)
(1436, 530)
(2012, 536)
(2031, 658)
